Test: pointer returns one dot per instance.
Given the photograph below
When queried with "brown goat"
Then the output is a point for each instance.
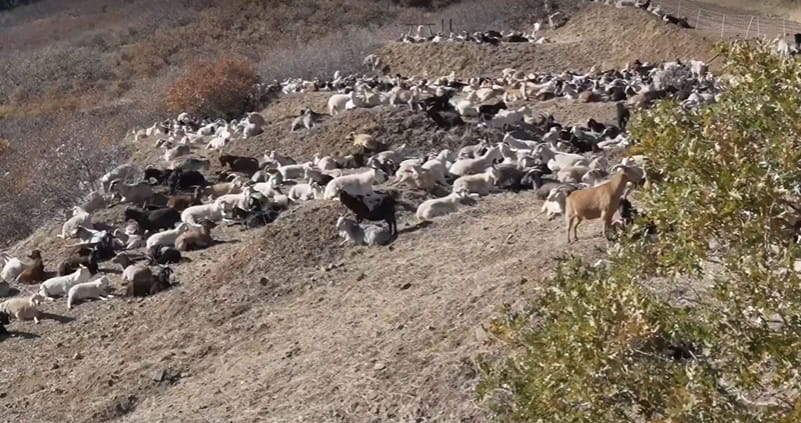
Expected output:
(597, 202)
(35, 273)
(180, 202)
(196, 239)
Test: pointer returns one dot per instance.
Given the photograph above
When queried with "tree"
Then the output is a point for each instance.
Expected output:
(617, 343)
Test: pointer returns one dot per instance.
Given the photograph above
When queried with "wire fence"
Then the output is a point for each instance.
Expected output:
(725, 25)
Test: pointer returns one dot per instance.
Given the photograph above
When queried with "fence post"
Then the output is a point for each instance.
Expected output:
(759, 33)
(678, 10)
(722, 26)
(698, 19)
(442, 26)
(748, 30)
(450, 25)
(784, 27)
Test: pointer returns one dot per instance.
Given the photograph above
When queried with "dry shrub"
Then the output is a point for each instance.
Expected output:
(214, 89)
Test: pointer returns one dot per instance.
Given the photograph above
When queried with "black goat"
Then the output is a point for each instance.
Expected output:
(82, 257)
(150, 286)
(160, 175)
(445, 119)
(163, 254)
(376, 206)
(153, 220)
(509, 177)
(596, 126)
(185, 179)
(488, 111)
(246, 165)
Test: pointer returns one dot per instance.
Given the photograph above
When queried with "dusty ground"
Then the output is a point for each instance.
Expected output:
(282, 324)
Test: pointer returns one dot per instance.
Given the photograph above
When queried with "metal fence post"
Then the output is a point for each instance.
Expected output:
(758, 30)
(678, 10)
(698, 19)
(722, 26)
(748, 30)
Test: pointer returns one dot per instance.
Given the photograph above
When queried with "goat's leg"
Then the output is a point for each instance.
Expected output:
(607, 218)
(569, 227)
(575, 229)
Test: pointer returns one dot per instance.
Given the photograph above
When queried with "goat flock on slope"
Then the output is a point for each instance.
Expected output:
(174, 207)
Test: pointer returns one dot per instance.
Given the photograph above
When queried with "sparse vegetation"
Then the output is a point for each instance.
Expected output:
(701, 323)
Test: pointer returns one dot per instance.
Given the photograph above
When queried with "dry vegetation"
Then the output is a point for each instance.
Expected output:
(218, 88)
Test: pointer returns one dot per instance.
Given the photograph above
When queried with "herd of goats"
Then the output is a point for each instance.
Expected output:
(174, 207)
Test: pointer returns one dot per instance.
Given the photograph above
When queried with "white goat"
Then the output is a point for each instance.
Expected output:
(472, 166)
(166, 237)
(86, 290)
(481, 184)
(354, 184)
(23, 308)
(436, 207)
(80, 218)
(60, 285)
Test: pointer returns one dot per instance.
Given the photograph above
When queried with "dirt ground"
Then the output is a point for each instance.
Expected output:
(283, 324)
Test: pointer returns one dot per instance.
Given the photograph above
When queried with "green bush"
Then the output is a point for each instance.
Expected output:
(722, 342)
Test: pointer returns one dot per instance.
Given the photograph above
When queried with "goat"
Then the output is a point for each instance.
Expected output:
(365, 141)
(87, 290)
(196, 239)
(153, 220)
(79, 218)
(35, 272)
(181, 202)
(183, 179)
(166, 238)
(306, 192)
(375, 206)
(192, 215)
(138, 193)
(83, 257)
(597, 202)
(370, 235)
(60, 285)
(464, 167)
(142, 287)
(246, 165)
(160, 254)
(355, 184)
(23, 308)
(436, 207)
(126, 172)
(481, 184)
(11, 269)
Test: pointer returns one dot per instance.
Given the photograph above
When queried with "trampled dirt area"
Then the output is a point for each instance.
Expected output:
(282, 324)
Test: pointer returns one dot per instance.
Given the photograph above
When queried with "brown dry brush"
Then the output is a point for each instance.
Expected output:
(218, 88)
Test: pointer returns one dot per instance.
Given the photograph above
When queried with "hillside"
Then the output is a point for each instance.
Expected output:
(282, 323)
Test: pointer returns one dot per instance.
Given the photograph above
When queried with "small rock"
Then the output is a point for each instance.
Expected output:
(523, 280)
(264, 281)
(54, 366)
(379, 366)
(360, 277)
(77, 356)
(158, 375)
(405, 286)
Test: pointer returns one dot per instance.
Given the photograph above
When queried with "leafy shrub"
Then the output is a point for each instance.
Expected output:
(215, 89)
(722, 341)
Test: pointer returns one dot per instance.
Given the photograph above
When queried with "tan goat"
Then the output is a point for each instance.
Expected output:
(597, 202)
